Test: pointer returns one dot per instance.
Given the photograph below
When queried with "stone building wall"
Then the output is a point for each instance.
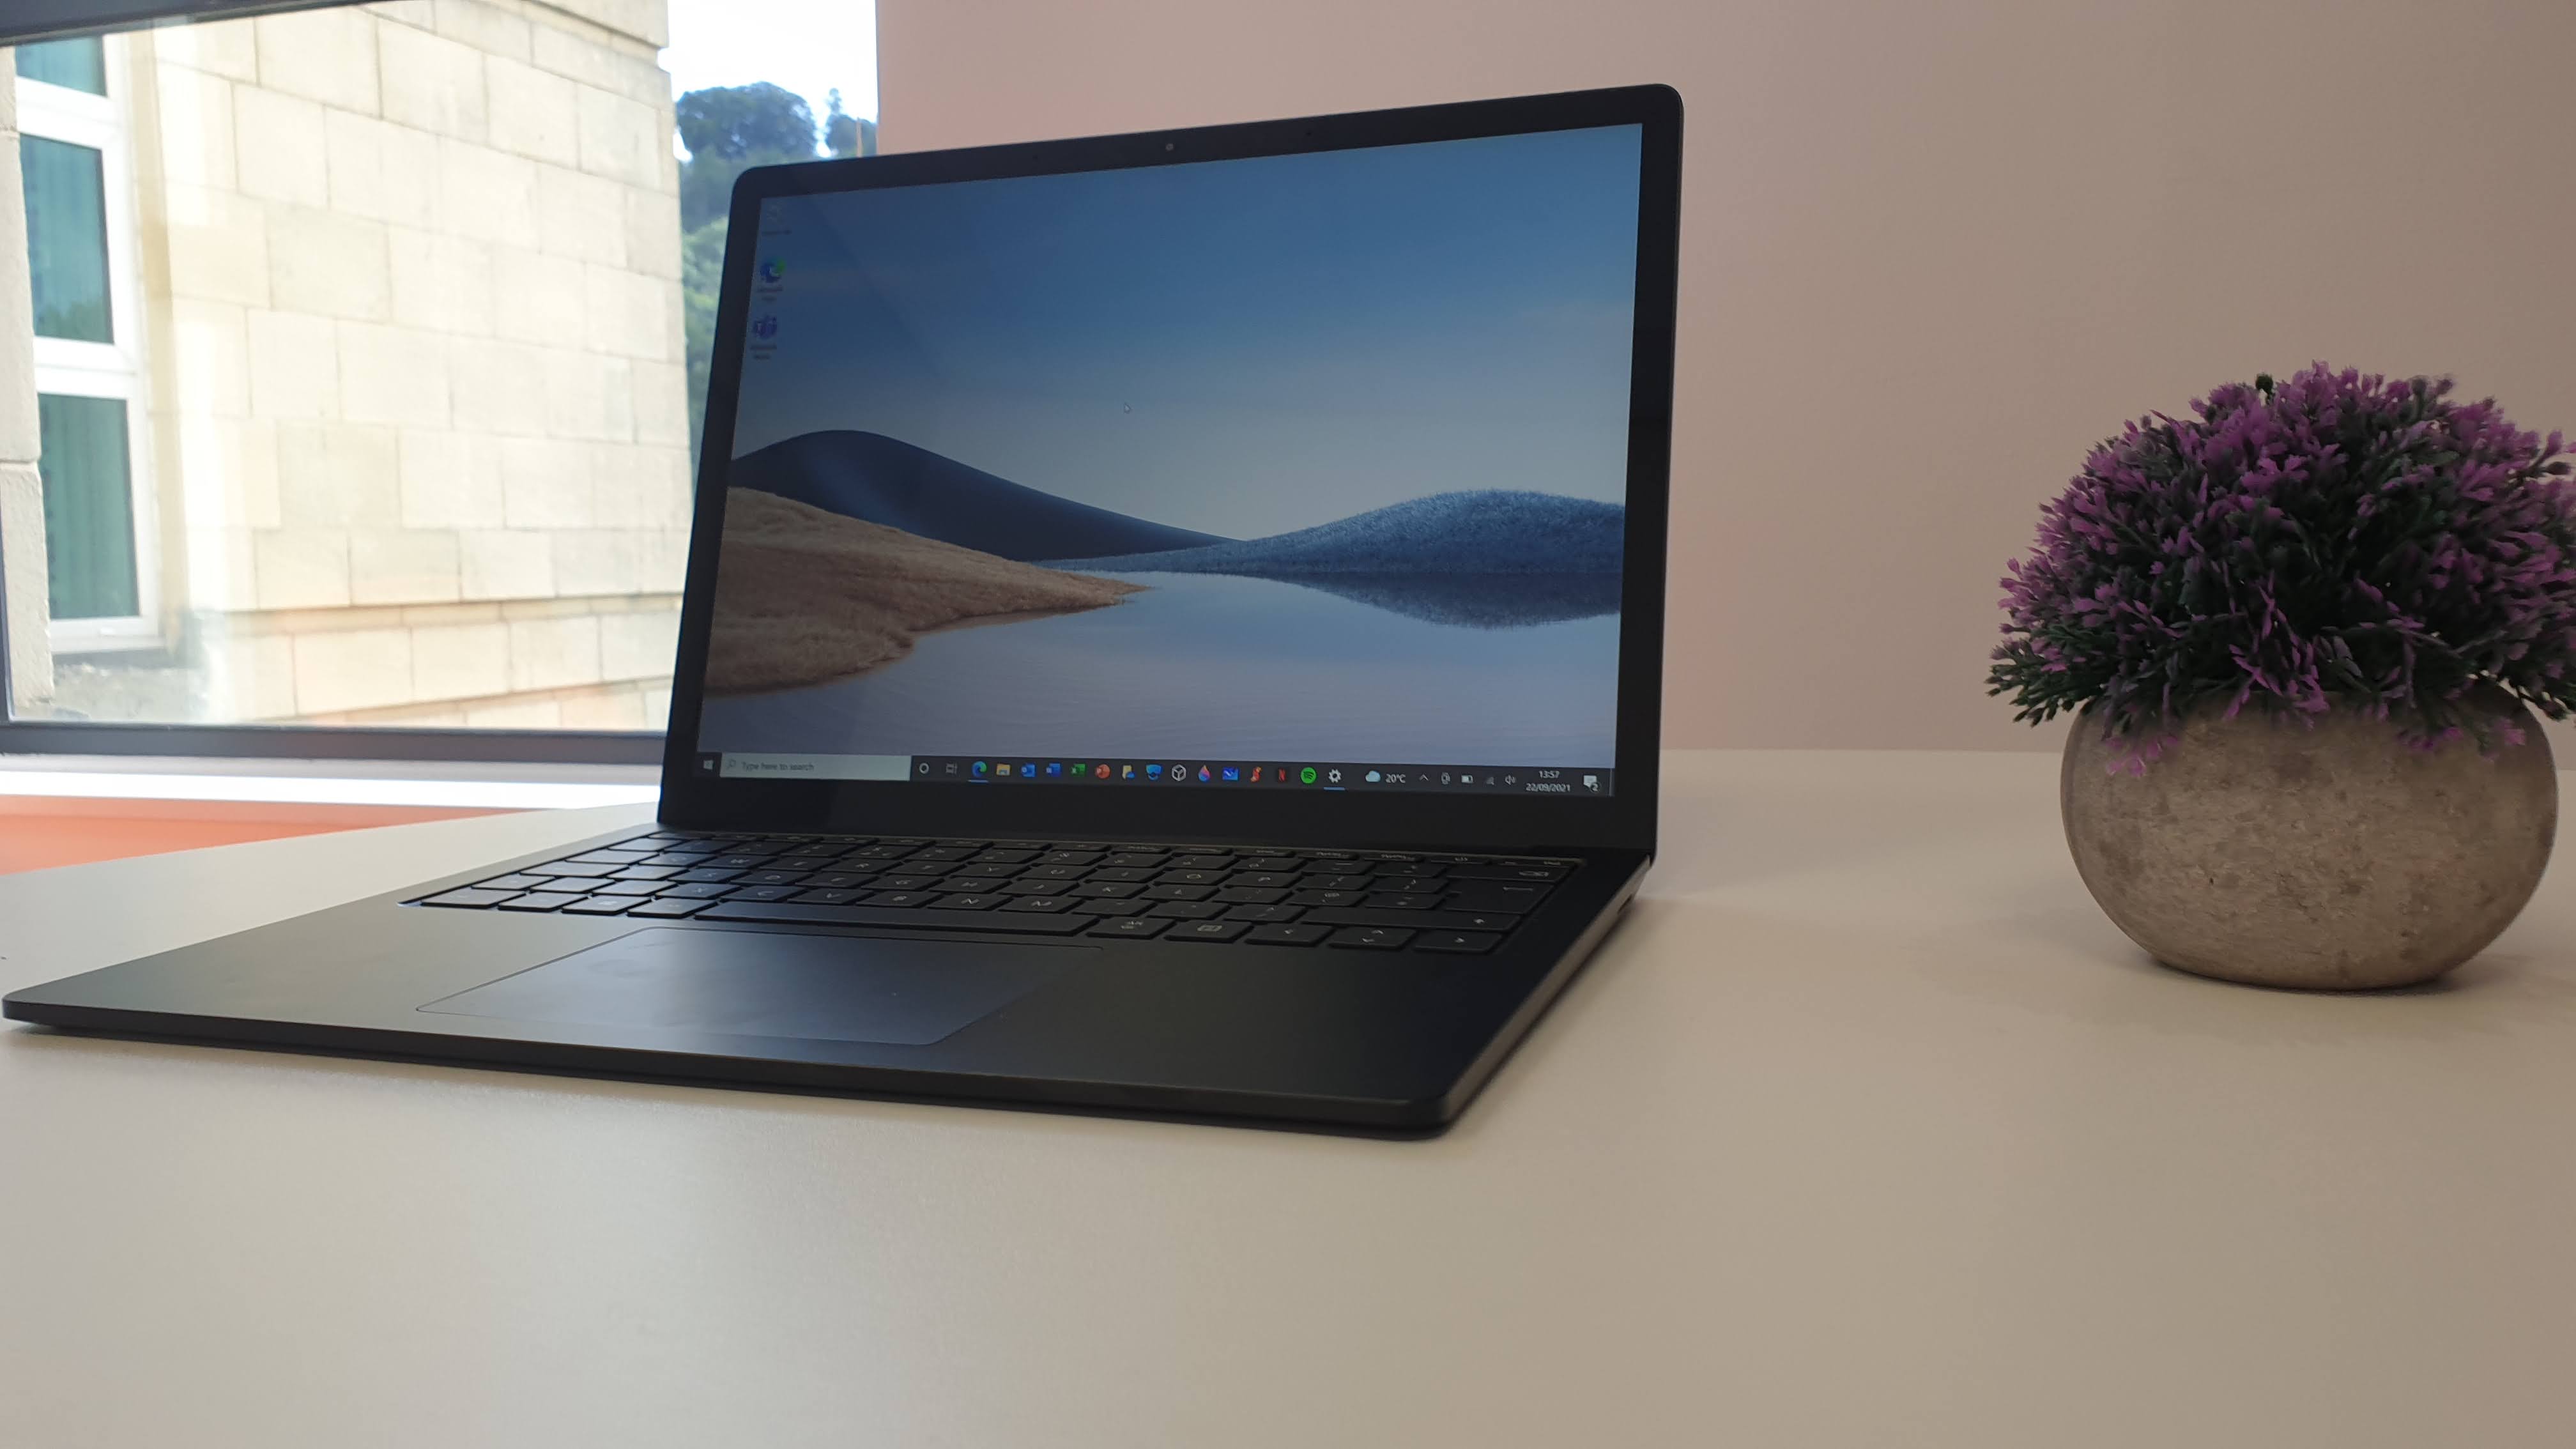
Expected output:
(22, 517)
(419, 431)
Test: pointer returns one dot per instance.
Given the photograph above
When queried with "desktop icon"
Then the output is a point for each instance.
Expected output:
(1153, 772)
(1372, 777)
(1203, 774)
(773, 271)
(1334, 776)
(1180, 772)
(1128, 772)
(1055, 769)
(1232, 772)
(1028, 772)
(765, 328)
(1307, 775)
(1256, 774)
(1100, 772)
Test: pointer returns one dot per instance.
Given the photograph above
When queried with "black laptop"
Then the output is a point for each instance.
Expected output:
(1174, 624)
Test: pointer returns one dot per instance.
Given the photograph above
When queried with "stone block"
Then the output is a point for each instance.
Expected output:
(661, 403)
(326, 263)
(218, 244)
(227, 474)
(557, 653)
(497, 387)
(631, 314)
(489, 28)
(642, 486)
(393, 375)
(540, 297)
(657, 706)
(222, 568)
(604, 709)
(634, 73)
(337, 669)
(321, 55)
(338, 475)
(642, 644)
(489, 195)
(449, 479)
(294, 365)
(532, 112)
(588, 396)
(22, 571)
(18, 423)
(620, 138)
(418, 14)
(663, 557)
(647, 21)
(404, 566)
(247, 676)
(593, 562)
(500, 563)
(209, 349)
(546, 483)
(516, 714)
(581, 216)
(196, 121)
(279, 148)
(300, 568)
(434, 84)
(441, 283)
(229, 49)
(461, 661)
(382, 171)
(652, 231)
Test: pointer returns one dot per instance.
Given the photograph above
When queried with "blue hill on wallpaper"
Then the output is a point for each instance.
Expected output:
(1481, 558)
(1483, 531)
(876, 479)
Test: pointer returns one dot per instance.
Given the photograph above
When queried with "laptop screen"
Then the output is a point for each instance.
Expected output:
(1298, 472)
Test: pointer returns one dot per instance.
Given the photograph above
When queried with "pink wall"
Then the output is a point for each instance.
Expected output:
(1931, 252)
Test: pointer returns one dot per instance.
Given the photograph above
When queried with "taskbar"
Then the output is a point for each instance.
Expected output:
(1015, 770)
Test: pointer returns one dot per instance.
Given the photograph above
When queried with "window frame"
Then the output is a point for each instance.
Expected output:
(118, 368)
(76, 364)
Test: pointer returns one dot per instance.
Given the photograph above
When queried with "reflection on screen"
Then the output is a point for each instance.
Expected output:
(1312, 460)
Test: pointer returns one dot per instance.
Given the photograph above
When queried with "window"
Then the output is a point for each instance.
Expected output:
(370, 353)
(75, 164)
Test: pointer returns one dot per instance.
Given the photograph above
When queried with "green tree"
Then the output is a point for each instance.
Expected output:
(738, 121)
(727, 130)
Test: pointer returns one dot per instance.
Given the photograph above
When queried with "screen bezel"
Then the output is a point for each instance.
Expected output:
(1624, 820)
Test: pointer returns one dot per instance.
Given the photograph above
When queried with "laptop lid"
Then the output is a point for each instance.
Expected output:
(1300, 481)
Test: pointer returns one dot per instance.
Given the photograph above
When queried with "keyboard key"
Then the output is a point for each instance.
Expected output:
(1137, 859)
(696, 890)
(670, 910)
(835, 880)
(761, 893)
(1402, 903)
(610, 857)
(1205, 861)
(1191, 877)
(1017, 923)
(646, 872)
(961, 885)
(635, 888)
(1372, 938)
(738, 862)
(1336, 882)
(1187, 910)
(1036, 888)
(907, 881)
(539, 901)
(968, 901)
(1206, 931)
(1286, 935)
(1132, 926)
(709, 875)
(1409, 867)
(1057, 872)
(945, 853)
(1243, 896)
(1110, 908)
(560, 871)
(515, 883)
(1507, 872)
(472, 898)
(1070, 857)
(1006, 857)
(1105, 890)
(1035, 903)
(825, 897)
(1179, 892)
(1461, 943)
(901, 898)
(774, 877)
(988, 869)
(599, 906)
(1327, 898)
(1262, 880)
(1415, 920)
(1507, 897)
(1264, 915)
(1119, 873)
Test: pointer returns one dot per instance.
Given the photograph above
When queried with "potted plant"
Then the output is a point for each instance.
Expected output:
(2303, 631)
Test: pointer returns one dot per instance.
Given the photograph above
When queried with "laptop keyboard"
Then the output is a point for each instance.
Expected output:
(1359, 900)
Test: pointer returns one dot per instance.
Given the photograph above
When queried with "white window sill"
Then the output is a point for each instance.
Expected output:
(329, 782)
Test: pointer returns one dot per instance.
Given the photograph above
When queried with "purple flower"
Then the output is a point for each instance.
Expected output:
(2336, 539)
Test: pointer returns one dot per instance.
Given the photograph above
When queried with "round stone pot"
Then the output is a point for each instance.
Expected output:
(2328, 857)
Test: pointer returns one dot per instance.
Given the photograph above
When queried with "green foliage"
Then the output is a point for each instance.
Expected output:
(733, 122)
(701, 274)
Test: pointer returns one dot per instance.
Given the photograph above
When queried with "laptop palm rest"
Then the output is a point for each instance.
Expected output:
(884, 990)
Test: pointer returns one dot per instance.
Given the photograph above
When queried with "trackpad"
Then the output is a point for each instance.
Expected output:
(774, 983)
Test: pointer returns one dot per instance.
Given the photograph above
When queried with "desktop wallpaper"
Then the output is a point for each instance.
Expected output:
(1316, 457)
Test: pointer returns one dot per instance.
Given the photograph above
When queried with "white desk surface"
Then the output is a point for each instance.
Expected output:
(1865, 1128)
